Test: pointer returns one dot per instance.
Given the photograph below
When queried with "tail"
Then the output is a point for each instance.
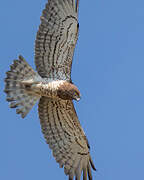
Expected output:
(15, 90)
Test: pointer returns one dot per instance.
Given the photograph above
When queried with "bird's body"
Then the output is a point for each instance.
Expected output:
(45, 87)
(52, 86)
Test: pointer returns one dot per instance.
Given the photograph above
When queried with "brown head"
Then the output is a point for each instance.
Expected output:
(68, 91)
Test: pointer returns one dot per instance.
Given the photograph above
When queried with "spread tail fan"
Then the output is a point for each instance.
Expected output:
(17, 95)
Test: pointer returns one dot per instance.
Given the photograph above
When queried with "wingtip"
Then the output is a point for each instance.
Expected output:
(20, 56)
(77, 5)
(92, 164)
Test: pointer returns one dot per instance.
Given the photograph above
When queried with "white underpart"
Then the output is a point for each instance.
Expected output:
(54, 85)
(46, 87)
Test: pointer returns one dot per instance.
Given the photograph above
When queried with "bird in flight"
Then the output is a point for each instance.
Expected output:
(52, 86)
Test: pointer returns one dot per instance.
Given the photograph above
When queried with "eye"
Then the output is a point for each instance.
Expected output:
(75, 93)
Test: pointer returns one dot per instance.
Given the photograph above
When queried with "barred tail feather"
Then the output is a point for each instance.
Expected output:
(16, 94)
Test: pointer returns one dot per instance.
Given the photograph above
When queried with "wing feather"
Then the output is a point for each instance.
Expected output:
(56, 39)
(65, 136)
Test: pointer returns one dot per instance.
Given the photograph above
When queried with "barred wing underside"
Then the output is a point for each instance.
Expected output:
(63, 133)
(56, 39)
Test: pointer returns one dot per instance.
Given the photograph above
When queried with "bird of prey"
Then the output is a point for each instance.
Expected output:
(52, 86)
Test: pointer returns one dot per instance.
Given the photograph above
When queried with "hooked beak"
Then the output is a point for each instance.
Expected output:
(78, 98)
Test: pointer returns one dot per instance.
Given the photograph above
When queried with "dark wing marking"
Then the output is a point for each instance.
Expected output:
(65, 136)
(56, 39)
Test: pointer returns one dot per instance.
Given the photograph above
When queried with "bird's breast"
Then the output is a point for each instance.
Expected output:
(48, 89)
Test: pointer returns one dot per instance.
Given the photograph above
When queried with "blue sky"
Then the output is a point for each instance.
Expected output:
(108, 68)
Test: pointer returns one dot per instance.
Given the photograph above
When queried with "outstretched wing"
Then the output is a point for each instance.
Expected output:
(63, 133)
(56, 39)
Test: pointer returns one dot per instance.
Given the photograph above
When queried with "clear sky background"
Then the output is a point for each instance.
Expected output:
(108, 68)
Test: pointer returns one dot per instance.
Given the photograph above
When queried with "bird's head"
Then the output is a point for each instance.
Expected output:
(68, 91)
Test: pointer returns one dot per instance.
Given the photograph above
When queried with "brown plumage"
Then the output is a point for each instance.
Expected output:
(52, 86)
(68, 91)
